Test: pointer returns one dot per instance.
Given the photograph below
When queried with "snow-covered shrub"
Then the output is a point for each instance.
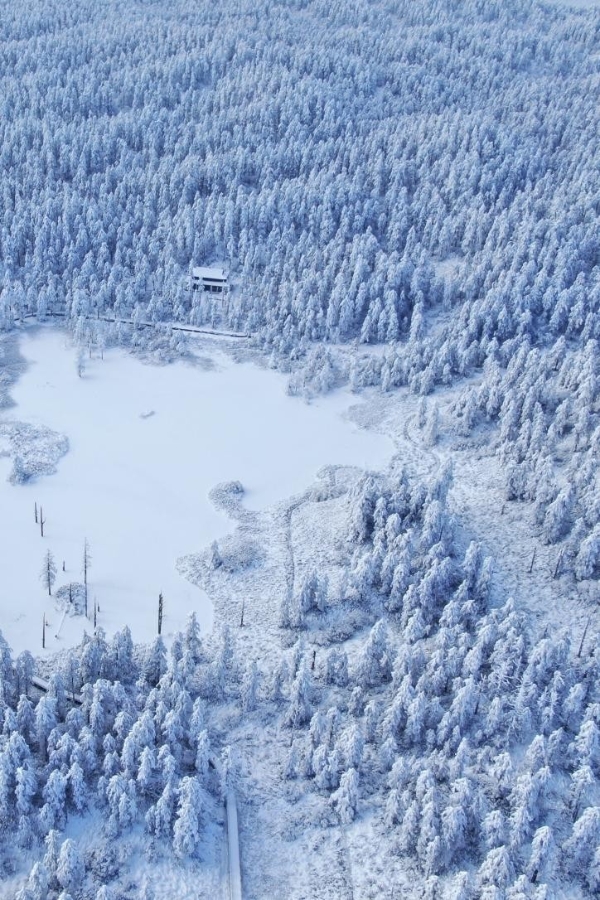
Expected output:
(227, 496)
(35, 450)
(237, 552)
(71, 598)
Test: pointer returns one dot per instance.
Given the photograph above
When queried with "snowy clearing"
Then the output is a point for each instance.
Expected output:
(142, 499)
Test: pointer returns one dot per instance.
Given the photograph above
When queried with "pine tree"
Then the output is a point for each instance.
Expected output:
(25, 790)
(155, 664)
(202, 760)
(580, 847)
(48, 573)
(300, 708)
(45, 720)
(345, 799)
(192, 642)
(497, 868)
(70, 869)
(250, 688)
(588, 557)
(50, 860)
(37, 883)
(593, 872)
(374, 662)
(543, 852)
(77, 787)
(186, 831)
(146, 770)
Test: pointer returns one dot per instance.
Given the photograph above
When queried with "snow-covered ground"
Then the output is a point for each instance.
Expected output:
(577, 4)
(146, 445)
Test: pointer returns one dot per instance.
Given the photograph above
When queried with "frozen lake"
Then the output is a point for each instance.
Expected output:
(136, 485)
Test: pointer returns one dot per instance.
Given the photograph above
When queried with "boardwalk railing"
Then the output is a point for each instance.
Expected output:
(174, 326)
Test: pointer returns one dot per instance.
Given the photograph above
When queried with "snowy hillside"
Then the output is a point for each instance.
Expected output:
(365, 479)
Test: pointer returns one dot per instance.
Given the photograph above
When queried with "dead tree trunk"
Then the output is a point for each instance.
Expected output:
(558, 564)
(587, 625)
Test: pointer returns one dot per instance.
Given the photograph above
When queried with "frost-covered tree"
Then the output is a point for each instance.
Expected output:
(588, 556)
(432, 425)
(202, 759)
(300, 702)
(497, 868)
(345, 799)
(146, 771)
(77, 788)
(69, 868)
(312, 595)
(224, 667)
(249, 688)
(48, 572)
(556, 520)
(543, 855)
(374, 663)
(186, 831)
(580, 846)
(53, 812)
(155, 664)
(192, 642)
(25, 789)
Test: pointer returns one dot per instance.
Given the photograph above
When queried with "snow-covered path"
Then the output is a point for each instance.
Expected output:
(233, 844)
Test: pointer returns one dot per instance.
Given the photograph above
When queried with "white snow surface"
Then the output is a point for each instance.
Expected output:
(136, 485)
(577, 4)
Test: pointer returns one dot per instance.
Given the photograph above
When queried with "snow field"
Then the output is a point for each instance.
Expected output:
(136, 485)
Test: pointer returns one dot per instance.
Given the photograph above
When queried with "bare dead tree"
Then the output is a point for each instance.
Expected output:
(86, 565)
(587, 625)
(160, 612)
(87, 560)
(558, 564)
(42, 521)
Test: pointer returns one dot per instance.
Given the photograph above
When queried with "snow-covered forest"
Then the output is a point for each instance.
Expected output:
(407, 197)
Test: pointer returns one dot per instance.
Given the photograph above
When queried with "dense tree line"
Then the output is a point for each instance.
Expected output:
(331, 153)
(478, 747)
(334, 155)
(121, 728)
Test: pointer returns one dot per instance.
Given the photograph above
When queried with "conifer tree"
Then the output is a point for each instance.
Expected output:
(48, 573)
